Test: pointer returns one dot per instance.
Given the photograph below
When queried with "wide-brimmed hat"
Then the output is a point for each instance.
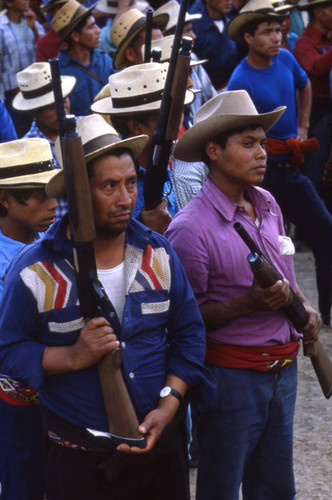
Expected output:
(111, 7)
(26, 163)
(48, 5)
(165, 44)
(222, 113)
(309, 5)
(97, 138)
(172, 9)
(136, 89)
(254, 10)
(126, 28)
(35, 84)
(67, 18)
(282, 6)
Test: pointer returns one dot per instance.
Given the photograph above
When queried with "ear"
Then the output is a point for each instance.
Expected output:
(247, 37)
(129, 55)
(75, 36)
(4, 198)
(134, 126)
(211, 149)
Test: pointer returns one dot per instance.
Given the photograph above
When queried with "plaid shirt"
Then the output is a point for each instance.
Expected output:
(34, 132)
(17, 51)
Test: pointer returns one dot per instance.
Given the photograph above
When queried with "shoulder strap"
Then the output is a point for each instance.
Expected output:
(83, 68)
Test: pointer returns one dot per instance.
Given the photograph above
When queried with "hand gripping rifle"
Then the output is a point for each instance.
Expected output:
(266, 275)
(169, 116)
(122, 419)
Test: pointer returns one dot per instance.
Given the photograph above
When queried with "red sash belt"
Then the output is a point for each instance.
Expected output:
(17, 393)
(271, 358)
(293, 147)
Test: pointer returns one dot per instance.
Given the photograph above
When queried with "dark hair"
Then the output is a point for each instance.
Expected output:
(221, 139)
(120, 122)
(79, 26)
(20, 195)
(114, 152)
(252, 26)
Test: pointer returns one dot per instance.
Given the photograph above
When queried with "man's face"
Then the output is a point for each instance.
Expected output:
(219, 6)
(241, 162)
(324, 16)
(113, 188)
(266, 40)
(89, 36)
(188, 31)
(133, 52)
(18, 5)
(46, 117)
(36, 215)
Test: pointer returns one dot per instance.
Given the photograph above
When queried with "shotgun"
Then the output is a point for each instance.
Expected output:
(148, 34)
(266, 275)
(169, 116)
(122, 419)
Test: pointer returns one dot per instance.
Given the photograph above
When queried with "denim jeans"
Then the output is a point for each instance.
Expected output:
(248, 438)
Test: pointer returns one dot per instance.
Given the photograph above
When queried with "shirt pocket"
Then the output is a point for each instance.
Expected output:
(155, 307)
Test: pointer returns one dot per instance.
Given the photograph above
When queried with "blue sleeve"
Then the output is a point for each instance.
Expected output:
(20, 350)
(300, 76)
(7, 129)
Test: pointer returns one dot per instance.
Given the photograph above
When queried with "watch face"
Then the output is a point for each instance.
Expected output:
(165, 392)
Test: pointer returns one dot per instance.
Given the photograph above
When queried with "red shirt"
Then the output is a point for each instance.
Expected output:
(47, 46)
(313, 50)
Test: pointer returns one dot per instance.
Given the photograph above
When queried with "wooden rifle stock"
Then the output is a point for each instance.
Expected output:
(122, 419)
(266, 275)
(169, 116)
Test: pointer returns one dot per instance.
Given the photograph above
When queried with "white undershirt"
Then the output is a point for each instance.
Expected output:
(219, 24)
(113, 280)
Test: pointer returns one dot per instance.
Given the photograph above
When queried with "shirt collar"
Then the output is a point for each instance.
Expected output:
(226, 207)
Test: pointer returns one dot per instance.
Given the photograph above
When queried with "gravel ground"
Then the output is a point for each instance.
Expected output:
(313, 415)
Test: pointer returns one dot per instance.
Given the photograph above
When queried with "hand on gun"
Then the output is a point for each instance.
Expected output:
(157, 219)
(271, 298)
(96, 339)
(30, 17)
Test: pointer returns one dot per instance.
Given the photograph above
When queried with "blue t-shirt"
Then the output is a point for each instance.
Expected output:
(7, 129)
(8, 249)
(272, 87)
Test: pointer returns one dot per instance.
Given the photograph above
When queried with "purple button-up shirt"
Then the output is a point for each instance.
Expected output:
(215, 259)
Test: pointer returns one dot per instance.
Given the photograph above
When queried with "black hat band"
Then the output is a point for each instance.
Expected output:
(28, 169)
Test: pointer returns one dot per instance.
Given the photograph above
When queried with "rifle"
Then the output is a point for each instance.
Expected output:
(148, 34)
(169, 116)
(122, 419)
(266, 275)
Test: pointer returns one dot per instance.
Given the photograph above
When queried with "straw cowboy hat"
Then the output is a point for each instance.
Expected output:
(126, 28)
(309, 5)
(172, 9)
(254, 10)
(283, 7)
(47, 6)
(67, 18)
(111, 7)
(35, 84)
(222, 113)
(136, 89)
(97, 138)
(165, 45)
(26, 163)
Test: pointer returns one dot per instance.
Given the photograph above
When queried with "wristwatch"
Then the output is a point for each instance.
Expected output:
(167, 390)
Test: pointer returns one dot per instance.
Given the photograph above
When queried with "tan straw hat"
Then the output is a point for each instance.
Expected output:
(35, 84)
(172, 9)
(26, 163)
(222, 113)
(254, 10)
(67, 18)
(136, 89)
(310, 5)
(97, 138)
(126, 28)
(165, 45)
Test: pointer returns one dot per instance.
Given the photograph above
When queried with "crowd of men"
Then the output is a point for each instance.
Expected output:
(208, 353)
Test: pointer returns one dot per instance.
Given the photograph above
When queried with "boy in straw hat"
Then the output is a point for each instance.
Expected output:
(314, 52)
(251, 345)
(82, 59)
(133, 108)
(273, 77)
(57, 352)
(26, 165)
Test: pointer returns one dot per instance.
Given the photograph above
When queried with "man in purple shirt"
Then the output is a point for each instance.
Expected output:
(251, 345)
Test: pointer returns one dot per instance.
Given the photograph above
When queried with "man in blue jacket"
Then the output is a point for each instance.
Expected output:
(48, 344)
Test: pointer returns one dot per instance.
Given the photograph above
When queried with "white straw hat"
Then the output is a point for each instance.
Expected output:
(172, 9)
(224, 112)
(68, 16)
(126, 28)
(97, 138)
(136, 89)
(26, 163)
(35, 84)
(254, 10)
(165, 45)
